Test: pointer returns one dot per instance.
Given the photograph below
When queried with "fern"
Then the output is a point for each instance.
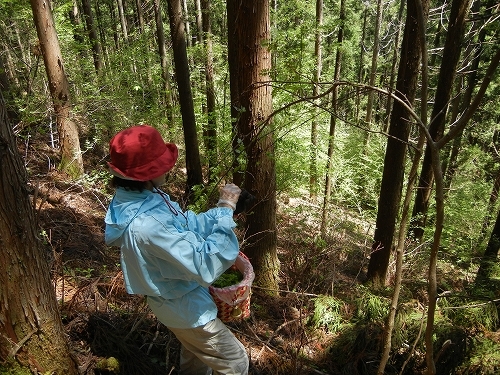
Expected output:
(328, 313)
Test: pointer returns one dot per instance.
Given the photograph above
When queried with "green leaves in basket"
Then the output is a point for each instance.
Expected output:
(228, 278)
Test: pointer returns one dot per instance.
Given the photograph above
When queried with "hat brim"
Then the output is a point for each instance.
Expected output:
(151, 170)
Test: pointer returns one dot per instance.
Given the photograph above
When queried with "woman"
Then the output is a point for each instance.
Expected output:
(171, 256)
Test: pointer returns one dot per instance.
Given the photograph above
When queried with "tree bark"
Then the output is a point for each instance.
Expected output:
(187, 25)
(210, 132)
(123, 20)
(140, 15)
(94, 40)
(333, 121)
(421, 15)
(394, 66)
(69, 141)
(102, 32)
(471, 80)
(491, 204)
(490, 256)
(193, 163)
(6, 82)
(251, 24)
(313, 167)
(236, 108)
(361, 70)
(373, 69)
(199, 9)
(164, 62)
(395, 155)
(31, 333)
(452, 49)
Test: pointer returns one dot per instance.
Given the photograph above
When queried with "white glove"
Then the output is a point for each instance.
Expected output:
(229, 195)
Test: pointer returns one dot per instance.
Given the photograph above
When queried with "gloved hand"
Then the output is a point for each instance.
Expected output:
(229, 195)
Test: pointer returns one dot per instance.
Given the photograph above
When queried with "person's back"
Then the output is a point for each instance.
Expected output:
(171, 256)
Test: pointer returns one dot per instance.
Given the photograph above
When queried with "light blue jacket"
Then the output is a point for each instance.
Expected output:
(170, 255)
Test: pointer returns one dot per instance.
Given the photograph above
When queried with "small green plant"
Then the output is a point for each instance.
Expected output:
(328, 313)
(44, 237)
(95, 178)
(81, 272)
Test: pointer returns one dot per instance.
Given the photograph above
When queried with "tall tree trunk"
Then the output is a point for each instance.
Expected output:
(94, 40)
(32, 336)
(164, 62)
(333, 120)
(395, 155)
(187, 25)
(471, 86)
(373, 69)
(490, 256)
(394, 65)
(114, 22)
(210, 132)
(69, 141)
(6, 88)
(491, 204)
(76, 22)
(193, 163)
(199, 20)
(457, 128)
(452, 49)
(123, 20)
(313, 167)
(420, 11)
(140, 15)
(102, 33)
(361, 70)
(454, 148)
(251, 24)
(236, 107)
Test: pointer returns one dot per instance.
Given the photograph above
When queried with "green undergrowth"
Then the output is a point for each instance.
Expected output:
(484, 358)
(462, 338)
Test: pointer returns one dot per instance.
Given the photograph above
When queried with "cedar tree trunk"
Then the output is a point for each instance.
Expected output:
(251, 26)
(395, 154)
(31, 332)
(193, 163)
(69, 141)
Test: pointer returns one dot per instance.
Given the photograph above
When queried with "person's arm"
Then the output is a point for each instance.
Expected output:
(186, 255)
(203, 222)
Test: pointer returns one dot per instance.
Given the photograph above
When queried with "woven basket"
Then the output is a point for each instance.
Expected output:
(233, 302)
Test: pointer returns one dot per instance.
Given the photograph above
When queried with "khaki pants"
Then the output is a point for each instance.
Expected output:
(211, 347)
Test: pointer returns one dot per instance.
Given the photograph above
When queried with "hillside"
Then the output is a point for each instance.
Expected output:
(303, 331)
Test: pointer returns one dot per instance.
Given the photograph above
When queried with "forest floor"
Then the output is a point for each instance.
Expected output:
(102, 321)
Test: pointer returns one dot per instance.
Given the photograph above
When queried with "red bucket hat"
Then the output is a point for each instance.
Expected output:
(139, 153)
